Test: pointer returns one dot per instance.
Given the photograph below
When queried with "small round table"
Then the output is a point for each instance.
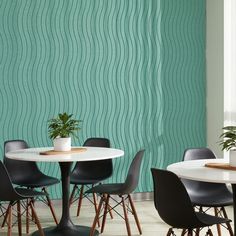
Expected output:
(196, 170)
(65, 226)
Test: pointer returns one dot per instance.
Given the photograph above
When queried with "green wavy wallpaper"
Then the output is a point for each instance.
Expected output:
(132, 70)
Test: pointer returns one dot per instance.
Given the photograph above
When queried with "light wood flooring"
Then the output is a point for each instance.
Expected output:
(151, 223)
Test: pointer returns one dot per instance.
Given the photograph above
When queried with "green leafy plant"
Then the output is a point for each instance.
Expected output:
(228, 138)
(63, 126)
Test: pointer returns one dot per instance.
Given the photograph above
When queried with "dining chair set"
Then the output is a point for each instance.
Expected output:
(184, 204)
(28, 177)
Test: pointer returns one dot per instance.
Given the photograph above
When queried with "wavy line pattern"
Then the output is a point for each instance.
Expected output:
(132, 70)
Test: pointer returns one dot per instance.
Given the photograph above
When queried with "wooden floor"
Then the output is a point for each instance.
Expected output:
(151, 223)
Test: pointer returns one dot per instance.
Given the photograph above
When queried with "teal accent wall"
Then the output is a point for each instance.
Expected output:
(132, 70)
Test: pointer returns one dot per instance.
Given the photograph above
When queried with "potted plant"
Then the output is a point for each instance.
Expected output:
(61, 129)
(229, 143)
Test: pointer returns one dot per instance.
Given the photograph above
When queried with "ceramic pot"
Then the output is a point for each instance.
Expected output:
(62, 144)
(232, 157)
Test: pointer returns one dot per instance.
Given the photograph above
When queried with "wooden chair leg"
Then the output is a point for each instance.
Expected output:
(105, 212)
(50, 206)
(170, 232)
(218, 226)
(110, 211)
(95, 206)
(228, 223)
(6, 215)
(36, 219)
(27, 216)
(19, 218)
(96, 217)
(126, 216)
(80, 199)
(209, 232)
(135, 214)
(72, 194)
(190, 232)
(9, 227)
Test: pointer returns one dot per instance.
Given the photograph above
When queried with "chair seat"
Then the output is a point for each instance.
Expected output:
(214, 199)
(112, 189)
(83, 180)
(36, 181)
(209, 220)
(28, 193)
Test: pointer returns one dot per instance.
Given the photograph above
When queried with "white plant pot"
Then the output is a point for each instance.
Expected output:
(62, 144)
(232, 157)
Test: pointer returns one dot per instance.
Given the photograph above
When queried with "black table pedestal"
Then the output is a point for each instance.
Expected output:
(66, 227)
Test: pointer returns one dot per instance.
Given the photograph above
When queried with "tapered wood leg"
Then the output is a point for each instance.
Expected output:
(190, 232)
(9, 221)
(105, 212)
(50, 206)
(27, 216)
(110, 211)
(135, 214)
(209, 232)
(197, 232)
(126, 216)
(95, 206)
(36, 219)
(217, 226)
(73, 194)
(170, 231)
(6, 215)
(19, 218)
(96, 217)
(80, 199)
(228, 223)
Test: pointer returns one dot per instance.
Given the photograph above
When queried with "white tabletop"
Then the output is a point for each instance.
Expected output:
(196, 170)
(91, 154)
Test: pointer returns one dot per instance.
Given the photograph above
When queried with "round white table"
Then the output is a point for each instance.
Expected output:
(196, 170)
(65, 226)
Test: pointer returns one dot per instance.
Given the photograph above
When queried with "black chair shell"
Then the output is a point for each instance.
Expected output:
(26, 173)
(173, 204)
(14, 196)
(203, 193)
(92, 172)
(130, 183)
(123, 191)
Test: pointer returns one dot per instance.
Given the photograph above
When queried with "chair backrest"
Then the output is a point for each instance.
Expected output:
(198, 153)
(18, 170)
(7, 192)
(132, 178)
(101, 169)
(198, 187)
(171, 200)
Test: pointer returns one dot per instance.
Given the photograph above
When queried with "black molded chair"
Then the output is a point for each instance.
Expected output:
(175, 207)
(27, 174)
(121, 190)
(209, 195)
(90, 173)
(14, 196)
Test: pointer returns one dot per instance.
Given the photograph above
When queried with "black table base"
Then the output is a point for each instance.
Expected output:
(66, 227)
(67, 231)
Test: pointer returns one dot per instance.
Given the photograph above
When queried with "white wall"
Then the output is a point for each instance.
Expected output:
(215, 72)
